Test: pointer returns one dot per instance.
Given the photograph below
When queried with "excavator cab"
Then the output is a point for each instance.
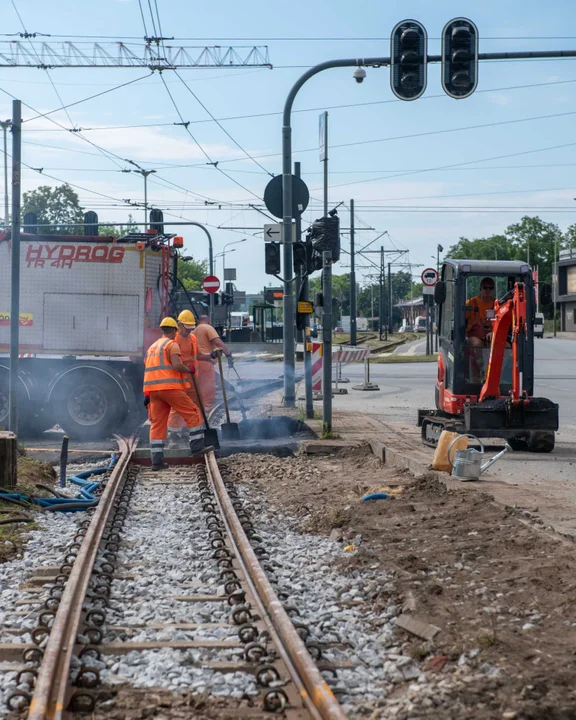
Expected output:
(485, 381)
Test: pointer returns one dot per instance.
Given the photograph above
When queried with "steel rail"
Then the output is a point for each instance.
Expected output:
(49, 701)
(315, 692)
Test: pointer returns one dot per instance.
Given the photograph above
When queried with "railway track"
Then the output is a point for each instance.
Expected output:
(243, 627)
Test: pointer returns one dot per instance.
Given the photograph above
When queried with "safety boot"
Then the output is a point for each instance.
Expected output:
(157, 455)
(196, 440)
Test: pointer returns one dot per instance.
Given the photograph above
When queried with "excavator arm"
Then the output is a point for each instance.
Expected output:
(510, 312)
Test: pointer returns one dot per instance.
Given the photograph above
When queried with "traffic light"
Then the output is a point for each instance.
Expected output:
(459, 58)
(408, 60)
(272, 258)
(300, 257)
(157, 221)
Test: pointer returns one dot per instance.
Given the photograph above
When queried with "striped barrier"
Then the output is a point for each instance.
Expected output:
(316, 367)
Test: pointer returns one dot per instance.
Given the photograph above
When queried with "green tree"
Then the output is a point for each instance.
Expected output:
(192, 272)
(58, 206)
(118, 231)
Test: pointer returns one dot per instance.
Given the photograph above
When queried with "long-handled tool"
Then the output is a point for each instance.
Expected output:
(229, 429)
(210, 434)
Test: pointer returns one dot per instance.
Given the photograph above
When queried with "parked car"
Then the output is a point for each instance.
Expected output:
(539, 325)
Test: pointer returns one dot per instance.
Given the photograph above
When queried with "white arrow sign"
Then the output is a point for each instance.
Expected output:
(273, 233)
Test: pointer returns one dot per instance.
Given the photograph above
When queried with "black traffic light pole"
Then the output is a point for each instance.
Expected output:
(353, 337)
(376, 62)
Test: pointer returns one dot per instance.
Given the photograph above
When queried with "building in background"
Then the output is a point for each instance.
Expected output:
(565, 289)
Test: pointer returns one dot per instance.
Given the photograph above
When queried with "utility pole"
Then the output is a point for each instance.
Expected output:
(439, 249)
(555, 282)
(145, 174)
(327, 341)
(381, 311)
(389, 299)
(15, 280)
(353, 313)
(5, 126)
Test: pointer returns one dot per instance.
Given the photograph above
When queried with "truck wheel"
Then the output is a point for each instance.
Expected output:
(3, 401)
(31, 418)
(541, 442)
(88, 404)
(518, 444)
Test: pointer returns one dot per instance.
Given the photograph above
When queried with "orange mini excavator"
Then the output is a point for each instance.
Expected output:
(489, 391)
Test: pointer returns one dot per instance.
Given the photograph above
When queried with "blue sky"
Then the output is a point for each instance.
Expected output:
(418, 210)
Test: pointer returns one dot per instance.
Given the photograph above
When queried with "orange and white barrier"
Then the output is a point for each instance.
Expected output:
(316, 367)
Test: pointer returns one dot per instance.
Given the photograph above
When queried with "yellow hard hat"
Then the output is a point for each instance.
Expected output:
(169, 322)
(187, 318)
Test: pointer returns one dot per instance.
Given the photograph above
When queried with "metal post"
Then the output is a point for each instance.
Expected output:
(389, 299)
(327, 341)
(288, 298)
(427, 326)
(555, 279)
(381, 310)
(15, 287)
(353, 336)
(63, 461)
(306, 339)
(5, 125)
(325, 161)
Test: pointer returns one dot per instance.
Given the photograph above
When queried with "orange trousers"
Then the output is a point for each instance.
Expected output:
(175, 420)
(162, 402)
(207, 382)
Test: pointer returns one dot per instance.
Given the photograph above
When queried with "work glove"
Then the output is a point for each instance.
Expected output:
(192, 369)
(230, 361)
(215, 353)
(146, 400)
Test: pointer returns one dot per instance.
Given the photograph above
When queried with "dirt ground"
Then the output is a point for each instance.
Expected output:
(501, 589)
(13, 534)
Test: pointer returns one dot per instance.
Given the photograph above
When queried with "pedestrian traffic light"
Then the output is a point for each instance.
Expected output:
(408, 60)
(272, 258)
(459, 58)
(300, 257)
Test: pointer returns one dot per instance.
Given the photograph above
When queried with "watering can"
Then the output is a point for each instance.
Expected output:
(467, 465)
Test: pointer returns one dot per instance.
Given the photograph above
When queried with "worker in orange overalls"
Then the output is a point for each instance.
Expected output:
(190, 357)
(165, 385)
(209, 344)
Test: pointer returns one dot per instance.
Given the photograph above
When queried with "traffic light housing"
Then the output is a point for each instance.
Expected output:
(408, 60)
(300, 257)
(459, 58)
(157, 221)
(272, 258)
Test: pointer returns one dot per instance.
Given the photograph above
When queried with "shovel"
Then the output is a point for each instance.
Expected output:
(229, 429)
(210, 434)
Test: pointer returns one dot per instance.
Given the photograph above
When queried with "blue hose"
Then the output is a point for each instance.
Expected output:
(82, 501)
(375, 496)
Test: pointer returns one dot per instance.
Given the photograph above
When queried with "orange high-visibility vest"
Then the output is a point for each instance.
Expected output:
(189, 347)
(158, 372)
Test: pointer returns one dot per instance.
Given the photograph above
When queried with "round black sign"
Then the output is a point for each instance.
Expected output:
(273, 196)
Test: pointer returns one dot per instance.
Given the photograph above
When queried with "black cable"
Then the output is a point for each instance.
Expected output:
(143, 20)
(91, 97)
(250, 157)
(210, 161)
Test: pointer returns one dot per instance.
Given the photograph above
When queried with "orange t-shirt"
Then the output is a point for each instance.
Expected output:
(204, 334)
(189, 348)
(476, 311)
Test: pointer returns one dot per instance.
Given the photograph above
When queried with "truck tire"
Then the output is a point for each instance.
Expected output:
(89, 403)
(31, 418)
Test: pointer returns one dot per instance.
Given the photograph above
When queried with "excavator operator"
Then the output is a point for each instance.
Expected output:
(479, 312)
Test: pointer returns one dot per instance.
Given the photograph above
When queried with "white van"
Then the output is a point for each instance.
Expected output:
(539, 325)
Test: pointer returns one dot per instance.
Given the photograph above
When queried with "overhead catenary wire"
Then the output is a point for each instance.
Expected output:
(200, 147)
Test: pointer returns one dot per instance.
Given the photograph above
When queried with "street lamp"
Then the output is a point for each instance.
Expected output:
(223, 256)
(236, 242)
(145, 174)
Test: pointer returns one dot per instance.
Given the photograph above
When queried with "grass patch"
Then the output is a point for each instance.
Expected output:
(395, 359)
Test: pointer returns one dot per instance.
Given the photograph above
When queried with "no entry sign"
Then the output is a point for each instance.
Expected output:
(211, 284)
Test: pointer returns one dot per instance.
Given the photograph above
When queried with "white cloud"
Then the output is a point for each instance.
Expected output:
(500, 99)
